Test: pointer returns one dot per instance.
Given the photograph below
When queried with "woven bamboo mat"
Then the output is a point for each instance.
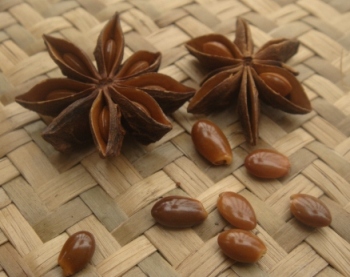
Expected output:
(46, 196)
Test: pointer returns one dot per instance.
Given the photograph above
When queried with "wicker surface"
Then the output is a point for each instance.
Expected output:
(45, 196)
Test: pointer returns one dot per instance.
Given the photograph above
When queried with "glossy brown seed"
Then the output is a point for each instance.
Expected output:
(75, 63)
(111, 52)
(217, 49)
(266, 163)
(76, 252)
(137, 67)
(310, 210)
(241, 245)
(277, 82)
(141, 107)
(59, 93)
(154, 87)
(104, 123)
(179, 212)
(211, 142)
(236, 210)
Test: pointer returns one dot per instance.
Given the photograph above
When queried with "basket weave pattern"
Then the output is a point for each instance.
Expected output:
(46, 196)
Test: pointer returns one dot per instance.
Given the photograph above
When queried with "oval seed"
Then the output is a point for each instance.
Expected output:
(236, 210)
(310, 210)
(179, 212)
(137, 67)
(141, 107)
(217, 49)
(267, 163)
(111, 51)
(241, 245)
(76, 252)
(211, 142)
(103, 123)
(59, 93)
(277, 82)
(75, 63)
(154, 87)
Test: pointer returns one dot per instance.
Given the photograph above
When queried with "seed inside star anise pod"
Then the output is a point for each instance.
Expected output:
(277, 82)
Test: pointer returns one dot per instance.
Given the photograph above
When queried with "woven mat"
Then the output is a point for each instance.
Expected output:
(46, 196)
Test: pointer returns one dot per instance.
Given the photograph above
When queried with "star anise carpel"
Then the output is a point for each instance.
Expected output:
(103, 103)
(238, 75)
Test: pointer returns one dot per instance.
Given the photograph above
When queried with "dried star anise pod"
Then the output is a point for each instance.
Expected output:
(102, 103)
(242, 76)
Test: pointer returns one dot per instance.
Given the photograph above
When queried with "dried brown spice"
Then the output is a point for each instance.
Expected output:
(237, 210)
(267, 164)
(241, 245)
(211, 142)
(241, 76)
(179, 211)
(105, 102)
(310, 210)
(77, 252)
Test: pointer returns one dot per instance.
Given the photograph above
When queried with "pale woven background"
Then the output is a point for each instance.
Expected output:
(45, 196)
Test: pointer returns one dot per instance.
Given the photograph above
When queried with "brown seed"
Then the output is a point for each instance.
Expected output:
(266, 163)
(217, 49)
(142, 107)
(310, 210)
(76, 252)
(277, 82)
(211, 142)
(241, 245)
(154, 87)
(236, 210)
(137, 67)
(111, 51)
(104, 123)
(59, 93)
(75, 63)
(179, 212)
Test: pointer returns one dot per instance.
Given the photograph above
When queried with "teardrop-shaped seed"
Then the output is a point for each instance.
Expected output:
(141, 107)
(137, 67)
(211, 142)
(277, 83)
(310, 210)
(154, 87)
(59, 93)
(216, 48)
(77, 252)
(267, 163)
(179, 212)
(110, 53)
(103, 123)
(241, 245)
(236, 210)
(75, 63)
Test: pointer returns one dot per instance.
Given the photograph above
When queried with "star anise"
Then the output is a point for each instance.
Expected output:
(238, 75)
(102, 103)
